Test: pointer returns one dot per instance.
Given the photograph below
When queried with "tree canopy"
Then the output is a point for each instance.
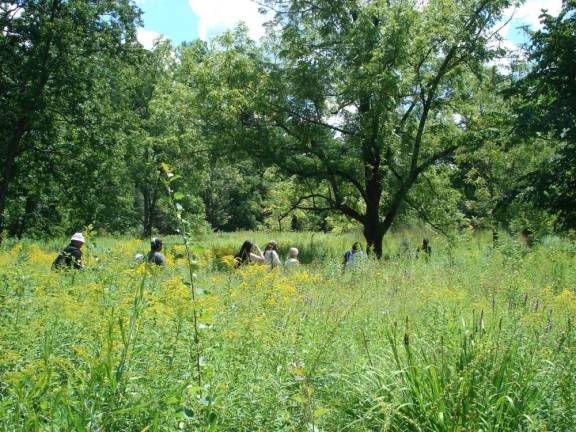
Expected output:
(349, 112)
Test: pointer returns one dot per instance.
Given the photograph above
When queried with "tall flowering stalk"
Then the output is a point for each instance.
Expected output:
(175, 199)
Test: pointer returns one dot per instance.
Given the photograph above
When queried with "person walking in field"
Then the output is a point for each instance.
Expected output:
(71, 255)
(271, 254)
(292, 262)
(426, 248)
(352, 257)
(246, 256)
(155, 256)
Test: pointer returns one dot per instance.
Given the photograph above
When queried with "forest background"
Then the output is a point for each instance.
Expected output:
(347, 114)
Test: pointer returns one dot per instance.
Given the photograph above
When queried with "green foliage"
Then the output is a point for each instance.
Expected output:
(476, 338)
(546, 109)
(357, 100)
(349, 114)
(61, 66)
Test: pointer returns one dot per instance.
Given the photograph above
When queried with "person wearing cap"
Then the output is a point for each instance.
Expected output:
(154, 256)
(71, 256)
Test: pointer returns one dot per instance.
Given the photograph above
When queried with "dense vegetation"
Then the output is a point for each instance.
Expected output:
(347, 114)
(383, 121)
(475, 338)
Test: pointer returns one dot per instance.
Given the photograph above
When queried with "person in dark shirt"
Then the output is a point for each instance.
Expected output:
(426, 249)
(71, 256)
(154, 256)
(352, 257)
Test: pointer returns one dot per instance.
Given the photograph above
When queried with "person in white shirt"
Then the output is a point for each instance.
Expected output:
(292, 262)
(271, 254)
(245, 255)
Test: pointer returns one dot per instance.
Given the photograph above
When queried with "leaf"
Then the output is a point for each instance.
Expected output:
(178, 196)
(319, 412)
(184, 412)
(298, 371)
(194, 389)
(212, 417)
(299, 399)
(166, 168)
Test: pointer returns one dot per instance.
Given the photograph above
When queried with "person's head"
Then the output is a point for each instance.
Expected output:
(272, 245)
(356, 247)
(425, 242)
(77, 240)
(293, 253)
(245, 250)
(156, 245)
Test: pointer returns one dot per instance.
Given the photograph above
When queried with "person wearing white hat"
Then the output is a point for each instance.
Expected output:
(71, 256)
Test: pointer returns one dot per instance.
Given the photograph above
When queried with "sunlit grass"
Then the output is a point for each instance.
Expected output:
(476, 338)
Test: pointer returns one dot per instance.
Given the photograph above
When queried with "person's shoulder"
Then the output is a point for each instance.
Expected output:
(71, 249)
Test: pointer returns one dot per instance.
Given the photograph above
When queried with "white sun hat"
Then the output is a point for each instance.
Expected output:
(78, 237)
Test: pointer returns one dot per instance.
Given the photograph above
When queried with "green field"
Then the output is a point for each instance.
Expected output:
(477, 338)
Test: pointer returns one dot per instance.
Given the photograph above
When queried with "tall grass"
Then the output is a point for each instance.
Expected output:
(475, 338)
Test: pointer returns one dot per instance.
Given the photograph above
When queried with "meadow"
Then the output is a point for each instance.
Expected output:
(476, 338)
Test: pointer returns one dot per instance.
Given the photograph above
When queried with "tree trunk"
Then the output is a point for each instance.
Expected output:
(374, 236)
(494, 236)
(26, 217)
(373, 232)
(147, 220)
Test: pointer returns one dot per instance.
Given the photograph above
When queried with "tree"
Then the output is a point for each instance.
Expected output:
(361, 98)
(149, 133)
(56, 56)
(229, 183)
(546, 110)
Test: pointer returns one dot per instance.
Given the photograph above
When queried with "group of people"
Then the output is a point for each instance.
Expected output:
(251, 253)
(71, 255)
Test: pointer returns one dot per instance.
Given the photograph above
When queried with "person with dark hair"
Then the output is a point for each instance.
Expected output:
(154, 256)
(353, 255)
(245, 255)
(271, 254)
(426, 248)
(71, 256)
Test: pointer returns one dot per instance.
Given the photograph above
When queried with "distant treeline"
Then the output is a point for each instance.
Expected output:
(347, 114)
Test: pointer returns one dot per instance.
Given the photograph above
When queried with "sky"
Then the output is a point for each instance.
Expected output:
(186, 20)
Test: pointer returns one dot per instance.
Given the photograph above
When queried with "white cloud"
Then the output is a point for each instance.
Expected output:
(512, 35)
(216, 16)
(531, 10)
(529, 14)
(148, 38)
